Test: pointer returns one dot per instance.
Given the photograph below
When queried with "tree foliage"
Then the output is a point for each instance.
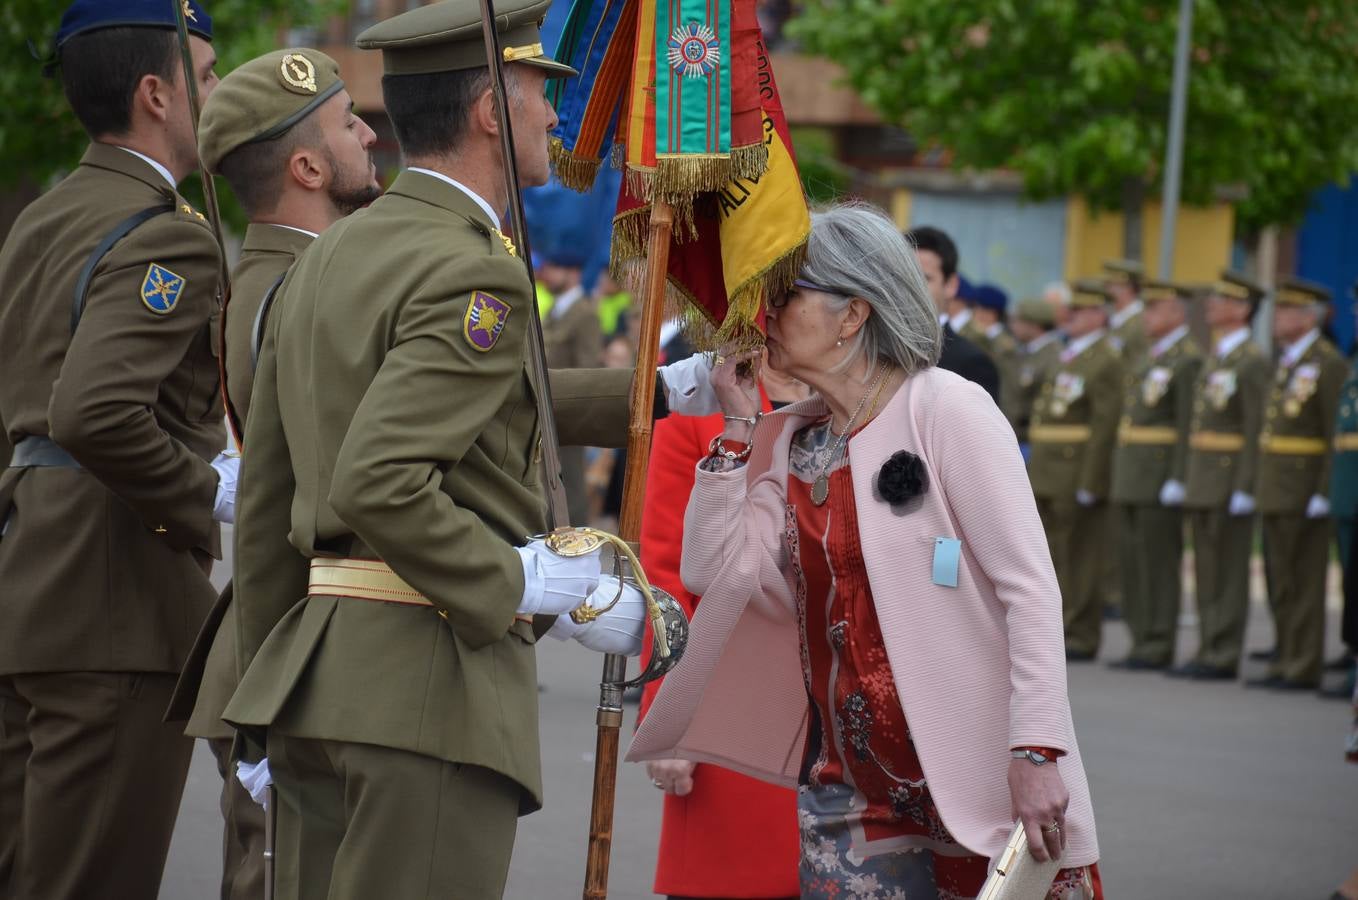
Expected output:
(1074, 94)
(40, 137)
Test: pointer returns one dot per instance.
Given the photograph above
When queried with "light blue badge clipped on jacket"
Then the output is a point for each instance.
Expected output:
(947, 557)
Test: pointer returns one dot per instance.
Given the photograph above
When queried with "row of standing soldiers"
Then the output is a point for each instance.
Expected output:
(1134, 430)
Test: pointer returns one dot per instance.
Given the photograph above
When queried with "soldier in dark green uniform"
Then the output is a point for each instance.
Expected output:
(108, 390)
(987, 315)
(1149, 470)
(1039, 343)
(1073, 430)
(281, 128)
(1223, 452)
(1294, 482)
(1126, 330)
(385, 594)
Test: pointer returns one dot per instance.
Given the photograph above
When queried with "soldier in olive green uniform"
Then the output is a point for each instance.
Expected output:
(282, 130)
(1223, 454)
(1149, 469)
(1126, 325)
(1294, 482)
(108, 390)
(1073, 430)
(1034, 325)
(384, 594)
(995, 341)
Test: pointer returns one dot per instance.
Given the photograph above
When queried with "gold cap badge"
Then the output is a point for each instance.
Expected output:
(298, 73)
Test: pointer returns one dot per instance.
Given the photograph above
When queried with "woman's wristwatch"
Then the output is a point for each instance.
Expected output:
(1034, 755)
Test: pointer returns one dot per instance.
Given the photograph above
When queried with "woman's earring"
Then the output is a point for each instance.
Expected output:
(839, 343)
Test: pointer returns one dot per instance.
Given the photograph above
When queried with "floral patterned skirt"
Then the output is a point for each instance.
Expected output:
(920, 868)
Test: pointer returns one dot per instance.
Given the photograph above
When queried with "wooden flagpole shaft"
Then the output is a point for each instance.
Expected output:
(609, 716)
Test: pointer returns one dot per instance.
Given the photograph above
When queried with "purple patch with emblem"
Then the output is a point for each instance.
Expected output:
(485, 320)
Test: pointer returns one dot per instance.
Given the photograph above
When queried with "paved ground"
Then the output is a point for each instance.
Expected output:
(1200, 790)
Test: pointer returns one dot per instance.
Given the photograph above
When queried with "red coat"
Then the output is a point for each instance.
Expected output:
(732, 836)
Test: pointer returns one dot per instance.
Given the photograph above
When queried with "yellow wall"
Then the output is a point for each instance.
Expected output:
(1202, 239)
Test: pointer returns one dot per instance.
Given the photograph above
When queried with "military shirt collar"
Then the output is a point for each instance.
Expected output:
(491, 216)
(995, 330)
(1120, 318)
(1081, 344)
(1037, 343)
(164, 172)
(959, 321)
(1226, 344)
(567, 299)
(1293, 354)
(1165, 343)
(271, 237)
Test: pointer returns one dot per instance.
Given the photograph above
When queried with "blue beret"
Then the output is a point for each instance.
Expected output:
(966, 291)
(91, 15)
(988, 296)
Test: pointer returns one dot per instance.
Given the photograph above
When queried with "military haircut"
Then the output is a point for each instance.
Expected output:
(936, 241)
(100, 72)
(256, 170)
(430, 111)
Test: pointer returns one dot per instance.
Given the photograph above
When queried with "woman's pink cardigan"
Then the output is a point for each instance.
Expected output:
(980, 668)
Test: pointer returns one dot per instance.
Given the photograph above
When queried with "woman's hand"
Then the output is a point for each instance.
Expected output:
(673, 776)
(1038, 800)
(735, 383)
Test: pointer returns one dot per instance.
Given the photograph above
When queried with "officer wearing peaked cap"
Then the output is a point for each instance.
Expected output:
(1126, 328)
(1223, 455)
(1149, 467)
(108, 391)
(397, 701)
(1294, 482)
(1034, 325)
(1073, 429)
(281, 129)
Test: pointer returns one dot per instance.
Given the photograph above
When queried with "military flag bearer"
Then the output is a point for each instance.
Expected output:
(1149, 470)
(109, 507)
(1074, 426)
(1294, 482)
(282, 130)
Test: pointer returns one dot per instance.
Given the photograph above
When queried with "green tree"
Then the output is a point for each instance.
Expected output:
(1074, 94)
(40, 137)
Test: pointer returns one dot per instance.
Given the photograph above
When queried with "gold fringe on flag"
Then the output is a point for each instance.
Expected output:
(573, 171)
(750, 162)
(679, 176)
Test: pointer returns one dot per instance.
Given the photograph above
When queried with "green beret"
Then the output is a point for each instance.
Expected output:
(1088, 292)
(1039, 312)
(447, 37)
(262, 99)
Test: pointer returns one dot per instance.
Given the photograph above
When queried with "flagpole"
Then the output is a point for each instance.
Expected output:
(609, 716)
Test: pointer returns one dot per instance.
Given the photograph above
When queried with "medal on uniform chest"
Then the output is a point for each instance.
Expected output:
(1291, 407)
(1155, 385)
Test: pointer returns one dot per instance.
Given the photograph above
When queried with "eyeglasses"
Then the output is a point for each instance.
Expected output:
(778, 301)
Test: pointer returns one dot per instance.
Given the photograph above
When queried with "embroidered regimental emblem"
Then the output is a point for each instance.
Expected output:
(485, 320)
(298, 73)
(694, 50)
(189, 13)
(160, 289)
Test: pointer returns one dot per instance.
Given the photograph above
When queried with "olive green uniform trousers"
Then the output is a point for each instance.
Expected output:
(243, 834)
(1151, 550)
(89, 786)
(1222, 545)
(1075, 536)
(1298, 549)
(352, 816)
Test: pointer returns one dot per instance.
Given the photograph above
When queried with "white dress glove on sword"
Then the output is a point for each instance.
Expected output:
(620, 630)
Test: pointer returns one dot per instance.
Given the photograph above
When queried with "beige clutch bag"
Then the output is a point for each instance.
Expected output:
(1019, 876)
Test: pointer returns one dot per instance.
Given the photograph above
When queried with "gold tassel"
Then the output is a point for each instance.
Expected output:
(750, 162)
(630, 231)
(573, 171)
(683, 175)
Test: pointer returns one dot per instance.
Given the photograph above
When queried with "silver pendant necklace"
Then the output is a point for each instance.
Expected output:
(820, 488)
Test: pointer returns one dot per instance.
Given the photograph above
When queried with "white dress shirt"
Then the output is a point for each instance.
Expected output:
(164, 172)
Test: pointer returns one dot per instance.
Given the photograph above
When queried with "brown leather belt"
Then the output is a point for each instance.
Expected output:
(366, 579)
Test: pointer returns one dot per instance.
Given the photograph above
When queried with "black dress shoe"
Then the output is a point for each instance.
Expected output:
(1341, 663)
(1186, 670)
(1213, 673)
(1079, 656)
(1268, 655)
(1136, 664)
(1268, 681)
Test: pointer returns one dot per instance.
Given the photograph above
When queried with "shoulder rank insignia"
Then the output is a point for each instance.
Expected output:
(509, 245)
(485, 320)
(160, 289)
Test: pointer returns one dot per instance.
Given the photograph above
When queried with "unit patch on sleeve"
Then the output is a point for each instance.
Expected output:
(161, 289)
(485, 320)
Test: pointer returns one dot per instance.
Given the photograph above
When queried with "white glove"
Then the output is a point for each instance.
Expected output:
(554, 584)
(1242, 504)
(256, 779)
(1318, 507)
(1085, 498)
(688, 386)
(228, 470)
(1172, 493)
(619, 630)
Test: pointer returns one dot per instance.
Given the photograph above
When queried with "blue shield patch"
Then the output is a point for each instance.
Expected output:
(160, 289)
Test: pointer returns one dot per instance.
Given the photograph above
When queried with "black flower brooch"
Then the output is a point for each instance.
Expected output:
(902, 478)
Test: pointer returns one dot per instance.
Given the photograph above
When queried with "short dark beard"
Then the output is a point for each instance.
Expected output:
(349, 194)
